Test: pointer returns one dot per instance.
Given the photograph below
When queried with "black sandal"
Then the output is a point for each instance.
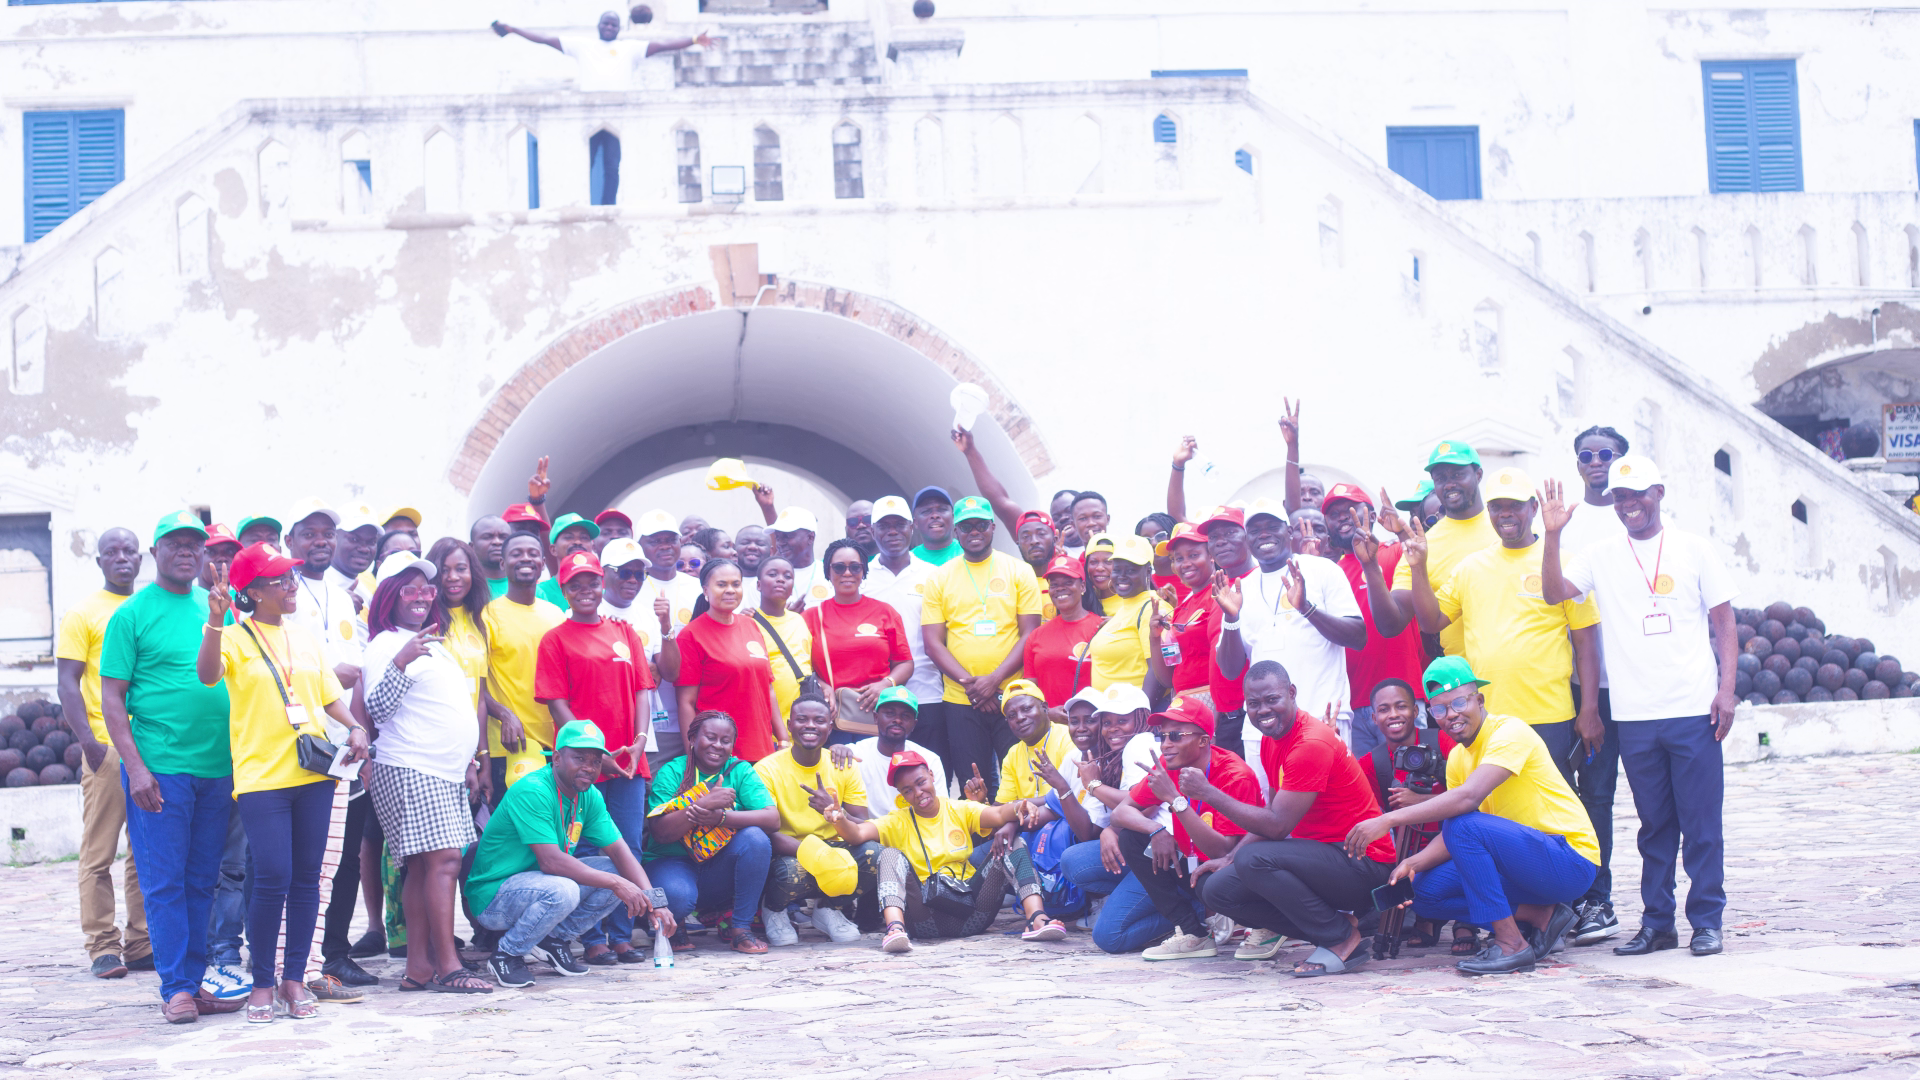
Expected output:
(411, 985)
(1424, 935)
(1466, 940)
(460, 981)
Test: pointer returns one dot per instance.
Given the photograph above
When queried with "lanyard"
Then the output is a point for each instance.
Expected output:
(567, 822)
(967, 568)
(272, 668)
(1653, 582)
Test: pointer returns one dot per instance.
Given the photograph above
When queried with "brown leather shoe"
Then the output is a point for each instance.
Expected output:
(207, 1005)
(180, 1009)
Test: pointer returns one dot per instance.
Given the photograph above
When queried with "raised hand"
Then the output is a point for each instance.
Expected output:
(1366, 547)
(1226, 593)
(538, 485)
(219, 598)
(1193, 783)
(962, 440)
(975, 790)
(1390, 516)
(1089, 770)
(1413, 543)
(822, 799)
(663, 610)
(416, 647)
(1044, 767)
(1160, 782)
(1290, 424)
(763, 495)
(1185, 451)
(1555, 512)
(1294, 586)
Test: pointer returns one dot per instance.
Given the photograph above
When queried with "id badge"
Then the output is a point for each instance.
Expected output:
(297, 714)
(573, 834)
(1657, 623)
(1193, 863)
(985, 628)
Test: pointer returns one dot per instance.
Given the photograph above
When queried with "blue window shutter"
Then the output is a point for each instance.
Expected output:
(72, 158)
(1753, 126)
(533, 172)
(1243, 161)
(364, 166)
(1444, 162)
(1164, 130)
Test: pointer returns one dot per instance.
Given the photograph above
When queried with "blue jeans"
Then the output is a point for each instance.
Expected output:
(230, 898)
(627, 805)
(1128, 921)
(287, 833)
(1496, 865)
(178, 851)
(1674, 767)
(735, 878)
(533, 906)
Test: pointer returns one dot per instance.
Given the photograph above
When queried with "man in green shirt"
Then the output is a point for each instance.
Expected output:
(933, 517)
(526, 883)
(171, 734)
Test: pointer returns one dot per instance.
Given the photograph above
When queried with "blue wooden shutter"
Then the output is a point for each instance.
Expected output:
(1164, 129)
(1444, 162)
(1243, 161)
(533, 172)
(72, 158)
(1753, 125)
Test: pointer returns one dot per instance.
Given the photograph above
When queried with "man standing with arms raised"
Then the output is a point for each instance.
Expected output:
(1666, 614)
(1455, 470)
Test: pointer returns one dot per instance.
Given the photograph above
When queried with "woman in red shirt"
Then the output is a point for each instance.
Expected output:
(718, 661)
(859, 643)
(1186, 627)
(1056, 655)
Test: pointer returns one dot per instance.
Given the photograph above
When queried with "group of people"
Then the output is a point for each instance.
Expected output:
(579, 731)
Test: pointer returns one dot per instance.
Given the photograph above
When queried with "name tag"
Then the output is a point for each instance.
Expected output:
(985, 628)
(297, 714)
(1657, 623)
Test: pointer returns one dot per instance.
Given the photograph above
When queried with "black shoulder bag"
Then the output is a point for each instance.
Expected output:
(944, 893)
(780, 643)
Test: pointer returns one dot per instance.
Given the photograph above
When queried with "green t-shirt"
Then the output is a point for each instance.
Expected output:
(549, 590)
(749, 793)
(937, 556)
(530, 814)
(496, 588)
(153, 642)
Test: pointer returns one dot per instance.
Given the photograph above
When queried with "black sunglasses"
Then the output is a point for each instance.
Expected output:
(847, 568)
(628, 573)
(1605, 455)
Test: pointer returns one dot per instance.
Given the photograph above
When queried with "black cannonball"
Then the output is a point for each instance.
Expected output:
(39, 758)
(1766, 684)
(1831, 676)
(23, 777)
(1757, 698)
(74, 757)
(1759, 646)
(1777, 664)
(22, 741)
(1772, 629)
(1780, 610)
(1846, 693)
(56, 773)
(1787, 647)
(1797, 630)
(1887, 670)
(1799, 680)
(1856, 679)
(1809, 663)
(1867, 661)
(1742, 633)
(1786, 697)
(1837, 657)
(1875, 690)
(1819, 693)
(1742, 684)
(1747, 662)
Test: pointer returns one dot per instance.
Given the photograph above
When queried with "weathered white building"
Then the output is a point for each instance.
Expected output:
(355, 249)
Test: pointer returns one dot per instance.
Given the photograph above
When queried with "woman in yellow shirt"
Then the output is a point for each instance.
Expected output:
(279, 685)
(782, 627)
(1122, 650)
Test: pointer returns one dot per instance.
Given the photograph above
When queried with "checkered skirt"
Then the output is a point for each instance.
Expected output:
(419, 812)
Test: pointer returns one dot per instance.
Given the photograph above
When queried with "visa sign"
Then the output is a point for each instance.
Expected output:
(1900, 431)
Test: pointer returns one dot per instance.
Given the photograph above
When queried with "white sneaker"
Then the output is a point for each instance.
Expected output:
(1260, 945)
(1181, 946)
(780, 929)
(800, 917)
(836, 926)
(226, 982)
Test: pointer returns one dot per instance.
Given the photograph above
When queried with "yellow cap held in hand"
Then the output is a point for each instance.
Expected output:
(833, 868)
(727, 474)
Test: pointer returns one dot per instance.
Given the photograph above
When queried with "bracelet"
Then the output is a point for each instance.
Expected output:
(1179, 468)
(1307, 612)
(1233, 624)
(723, 814)
(210, 626)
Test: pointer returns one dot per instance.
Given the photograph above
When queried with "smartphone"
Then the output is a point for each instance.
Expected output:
(1388, 897)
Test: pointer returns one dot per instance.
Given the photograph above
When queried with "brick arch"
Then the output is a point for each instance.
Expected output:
(610, 326)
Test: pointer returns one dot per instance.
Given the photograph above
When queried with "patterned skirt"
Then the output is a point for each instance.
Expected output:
(419, 812)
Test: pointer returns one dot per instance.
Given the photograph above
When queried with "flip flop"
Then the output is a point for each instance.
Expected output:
(411, 985)
(460, 981)
(1331, 964)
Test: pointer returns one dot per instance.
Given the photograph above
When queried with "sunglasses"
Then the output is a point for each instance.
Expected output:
(857, 521)
(1604, 455)
(846, 568)
(417, 592)
(688, 564)
(1429, 519)
(628, 573)
(1440, 710)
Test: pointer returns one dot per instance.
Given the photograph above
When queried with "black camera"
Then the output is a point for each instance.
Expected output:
(1426, 767)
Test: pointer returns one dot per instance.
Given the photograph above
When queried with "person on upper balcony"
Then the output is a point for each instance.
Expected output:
(606, 62)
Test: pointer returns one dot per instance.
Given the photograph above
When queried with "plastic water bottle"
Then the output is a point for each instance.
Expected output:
(662, 949)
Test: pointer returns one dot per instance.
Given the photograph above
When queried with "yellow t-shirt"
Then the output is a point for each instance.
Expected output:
(1536, 795)
(1018, 780)
(513, 648)
(83, 630)
(1448, 542)
(946, 839)
(784, 777)
(793, 630)
(980, 604)
(469, 649)
(264, 758)
(1515, 639)
(1119, 647)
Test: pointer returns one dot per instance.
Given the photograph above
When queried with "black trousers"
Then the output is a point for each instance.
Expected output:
(1169, 890)
(972, 738)
(1301, 888)
(346, 880)
(1228, 732)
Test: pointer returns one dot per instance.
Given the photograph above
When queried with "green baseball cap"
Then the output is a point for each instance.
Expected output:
(1448, 452)
(249, 522)
(581, 735)
(900, 695)
(176, 521)
(1419, 496)
(972, 508)
(568, 521)
(1450, 673)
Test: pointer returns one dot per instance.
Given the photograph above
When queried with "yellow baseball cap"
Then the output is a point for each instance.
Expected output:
(1133, 549)
(1016, 687)
(833, 868)
(728, 473)
(1507, 483)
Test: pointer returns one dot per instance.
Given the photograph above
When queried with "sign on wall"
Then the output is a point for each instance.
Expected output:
(1900, 431)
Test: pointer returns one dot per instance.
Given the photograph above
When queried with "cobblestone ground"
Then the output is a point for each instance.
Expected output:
(1820, 979)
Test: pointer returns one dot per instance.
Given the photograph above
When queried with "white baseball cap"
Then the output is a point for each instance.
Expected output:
(1633, 473)
(621, 551)
(1095, 698)
(795, 518)
(402, 561)
(656, 521)
(306, 508)
(1125, 698)
(1270, 507)
(891, 506)
(357, 516)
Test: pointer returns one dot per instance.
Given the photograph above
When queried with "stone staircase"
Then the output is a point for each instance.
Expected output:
(783, 54)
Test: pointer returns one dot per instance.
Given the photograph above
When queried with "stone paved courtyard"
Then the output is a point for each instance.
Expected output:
(1821, 978)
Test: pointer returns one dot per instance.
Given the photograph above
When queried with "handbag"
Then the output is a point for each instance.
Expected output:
(848, 716)
(944, 893)
(702, 843)
(315, 753)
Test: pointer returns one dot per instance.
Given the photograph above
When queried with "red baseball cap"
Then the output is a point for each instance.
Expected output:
(522, 512)
(580, 562)
(258, 561)
(605, 516)
(1187, 709)
(1032, 515)
(1067, 565)
(1232, 515)
(1346, 493)
(221, 534)
(905, 759)
(1182, 531)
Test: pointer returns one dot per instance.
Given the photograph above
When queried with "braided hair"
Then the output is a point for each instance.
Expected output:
(693, 726)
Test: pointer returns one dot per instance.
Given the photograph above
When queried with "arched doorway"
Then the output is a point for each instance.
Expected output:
(842, 386)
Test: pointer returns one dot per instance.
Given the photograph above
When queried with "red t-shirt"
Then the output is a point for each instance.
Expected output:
(1228, 694)
(1198, 666)
(598, 668)
(1397, 657)
(729, 665)
(1368, 767)
(1056, 657)
(1225, 771)
(864, 639)
(1311, 757)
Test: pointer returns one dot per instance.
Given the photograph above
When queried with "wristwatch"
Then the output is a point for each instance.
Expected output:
(1096, 785)
(1180, 804)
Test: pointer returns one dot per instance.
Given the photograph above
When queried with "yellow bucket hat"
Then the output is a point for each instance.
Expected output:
(833, 868)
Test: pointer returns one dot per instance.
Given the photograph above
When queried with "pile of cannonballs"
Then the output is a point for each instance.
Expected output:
(1786, 657)
(36, 748)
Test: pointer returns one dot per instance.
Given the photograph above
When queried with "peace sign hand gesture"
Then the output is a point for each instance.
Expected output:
(538, 485)
(822, 799)
(1555, 512)
(1290, 425)
(1295, 586)
(1413, 543)
(219, 598)
(1390, 516)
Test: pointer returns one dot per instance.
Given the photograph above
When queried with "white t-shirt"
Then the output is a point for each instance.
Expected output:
(435, 729)
(1667, 666)
(1272, 630)
(1590, 525)
(604, 65)
(1136, 760)
(681, 591)
(882, 797)
(326, 611)
(903, 591)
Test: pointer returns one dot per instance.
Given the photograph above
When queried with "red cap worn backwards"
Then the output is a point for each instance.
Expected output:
(905, 759)
(221, 534)
(1032, 515)
(1346, 493)
(256, 562)
(1186, 709)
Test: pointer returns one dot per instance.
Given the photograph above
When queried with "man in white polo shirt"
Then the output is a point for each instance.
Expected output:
(658, 535)
(1666, 616)
(895, 577)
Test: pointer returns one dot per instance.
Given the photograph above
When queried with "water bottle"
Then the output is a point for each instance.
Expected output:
(1170, 651)
(662, 949)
